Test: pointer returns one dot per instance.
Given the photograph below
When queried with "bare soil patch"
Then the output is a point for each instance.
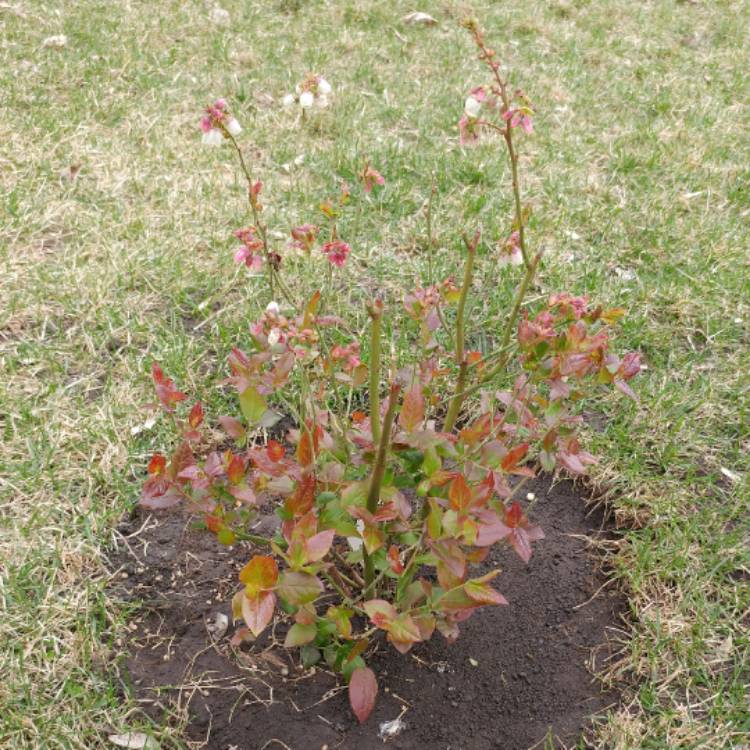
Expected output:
(516, 675)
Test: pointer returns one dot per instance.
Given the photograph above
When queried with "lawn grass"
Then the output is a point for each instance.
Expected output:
(640, 180)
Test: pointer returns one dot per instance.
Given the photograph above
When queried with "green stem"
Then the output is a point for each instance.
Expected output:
(378, 471)
(457, 399)
(376, 314)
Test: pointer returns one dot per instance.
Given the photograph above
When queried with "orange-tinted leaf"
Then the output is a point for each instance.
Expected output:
(459, 493)
(236, 469)
(275, 450)
(260, 574)
(213, 523)
(363, 690)
(341, 617)
(305, 453)
(514, 456)
(394, 560)
(196, 415)
(412, 410)
(481, 592)
(157, 464)
(359, 648)
(311, 309)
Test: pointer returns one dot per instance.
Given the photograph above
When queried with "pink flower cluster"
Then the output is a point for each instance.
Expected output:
(248, 252)
(371, 177)
(217, 123)
(304, 237)
(337, 252)
(348, 355)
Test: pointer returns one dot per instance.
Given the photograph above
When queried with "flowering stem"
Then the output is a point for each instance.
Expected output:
(516, 193)
(487, 56)
(273, 276)
(457, 400)
(378, 471)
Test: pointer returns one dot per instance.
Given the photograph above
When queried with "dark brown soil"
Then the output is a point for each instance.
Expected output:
(516, 674)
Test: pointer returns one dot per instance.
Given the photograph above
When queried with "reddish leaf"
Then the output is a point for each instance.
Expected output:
(403, 633)
(305, 452)
(157, 464)
(303, 497)
(381, 612)
(258, 611)
(317, 546)
(213, 523)
(196, 415)
(233, 427)
(165, 390)
(236, 469)
(521, 534)
(514, 456)
(275, 450)
(394, 560)
(363, 690)
(412, 410)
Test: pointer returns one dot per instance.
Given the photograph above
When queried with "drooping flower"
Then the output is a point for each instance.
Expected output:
(520, 115)
(217, 123)
(371, 177)
(468, 128)
(337, 252)
(510, 250)
(472, 106)
(313, 91)
(249, 251)
(233, 127)
(473, 103)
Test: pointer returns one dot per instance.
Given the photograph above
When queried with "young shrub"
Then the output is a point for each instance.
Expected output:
(385, 514)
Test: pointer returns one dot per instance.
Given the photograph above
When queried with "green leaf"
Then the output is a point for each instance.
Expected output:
(299, 635)
(310, 655)
(299, 588)
(253, 405)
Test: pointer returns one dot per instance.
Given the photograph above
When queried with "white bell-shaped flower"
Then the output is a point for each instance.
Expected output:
(233, 127)
(472, 106)
(213, 137)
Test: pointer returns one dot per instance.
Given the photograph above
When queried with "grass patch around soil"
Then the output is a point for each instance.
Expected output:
(115, 244)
